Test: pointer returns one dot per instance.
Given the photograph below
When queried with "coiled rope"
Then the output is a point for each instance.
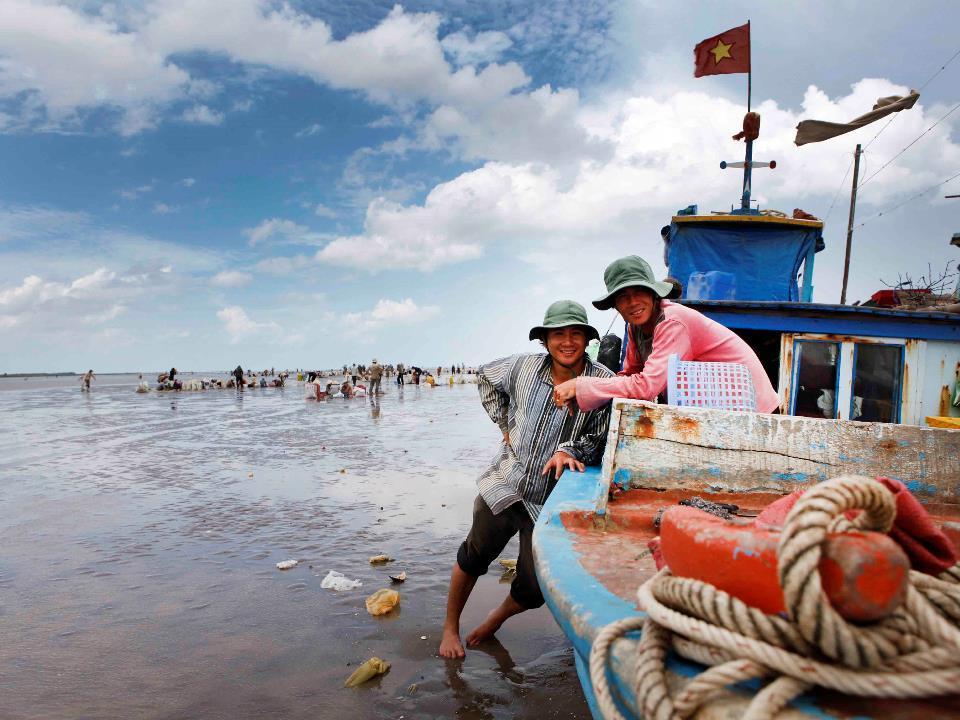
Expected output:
(914, 652)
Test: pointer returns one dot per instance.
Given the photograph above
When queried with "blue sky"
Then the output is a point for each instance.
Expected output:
(210, 182)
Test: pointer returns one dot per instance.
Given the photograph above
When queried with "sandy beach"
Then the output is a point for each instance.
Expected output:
(141, 533)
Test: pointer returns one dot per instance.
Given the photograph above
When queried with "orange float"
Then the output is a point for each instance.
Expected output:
(864, 574)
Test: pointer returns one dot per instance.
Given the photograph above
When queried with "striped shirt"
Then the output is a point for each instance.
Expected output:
(517, 393)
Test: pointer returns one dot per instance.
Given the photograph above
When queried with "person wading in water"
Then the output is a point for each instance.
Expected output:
(540, 441)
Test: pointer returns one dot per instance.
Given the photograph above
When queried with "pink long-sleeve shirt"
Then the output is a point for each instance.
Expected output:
(690, 335)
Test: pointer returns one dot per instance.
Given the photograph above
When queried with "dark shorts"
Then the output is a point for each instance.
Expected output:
(488, 537)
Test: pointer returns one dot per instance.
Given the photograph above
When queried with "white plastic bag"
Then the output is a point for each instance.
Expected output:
(337, 581)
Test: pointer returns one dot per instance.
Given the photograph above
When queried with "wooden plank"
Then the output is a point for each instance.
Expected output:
(660, 446)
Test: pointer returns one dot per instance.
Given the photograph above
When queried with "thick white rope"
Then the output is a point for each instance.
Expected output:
(915, 652)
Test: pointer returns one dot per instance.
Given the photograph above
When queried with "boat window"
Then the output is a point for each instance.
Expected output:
(877, 382)
(815, 382)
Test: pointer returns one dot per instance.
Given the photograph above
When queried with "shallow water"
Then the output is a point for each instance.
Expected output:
(139, 536)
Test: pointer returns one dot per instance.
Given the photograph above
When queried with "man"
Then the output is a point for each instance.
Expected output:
(376, 373)
(540, 441)
(87, 378)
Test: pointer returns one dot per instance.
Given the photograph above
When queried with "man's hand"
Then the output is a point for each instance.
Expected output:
(506, 438)
(559, 462)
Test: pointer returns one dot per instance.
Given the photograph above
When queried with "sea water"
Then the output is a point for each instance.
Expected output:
(139, 536)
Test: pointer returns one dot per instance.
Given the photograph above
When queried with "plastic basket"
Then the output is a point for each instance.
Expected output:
(724, 386)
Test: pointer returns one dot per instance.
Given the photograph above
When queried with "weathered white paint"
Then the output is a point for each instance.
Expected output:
(941, 366)
(660, 446)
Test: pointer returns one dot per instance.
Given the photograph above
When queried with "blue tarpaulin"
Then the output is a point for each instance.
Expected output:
(739, 260)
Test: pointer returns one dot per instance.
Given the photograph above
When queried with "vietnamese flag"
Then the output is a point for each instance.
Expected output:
(728, 52)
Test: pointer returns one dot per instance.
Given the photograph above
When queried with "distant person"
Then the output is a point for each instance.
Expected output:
(238, 377)
(142, 385)
(173, 374)
(540, 441)
(376, 373)
(401, 371)
(87, 378)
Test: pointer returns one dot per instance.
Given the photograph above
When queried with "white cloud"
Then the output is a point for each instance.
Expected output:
(322, 210)
(188, 182)
(285, 231)
(231, 279)
(134, 193)
(240, 326)
(160, 208)
(482, 47)
(202, 115)
(665, 153)
(70, 60)
(91, 299)
(283, 265)
(309, 131)
(387, 313)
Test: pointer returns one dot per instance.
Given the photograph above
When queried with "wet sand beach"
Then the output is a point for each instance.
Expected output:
(140, 536)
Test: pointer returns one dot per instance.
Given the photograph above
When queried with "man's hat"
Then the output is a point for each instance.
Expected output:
(561, 314)
(629, 271)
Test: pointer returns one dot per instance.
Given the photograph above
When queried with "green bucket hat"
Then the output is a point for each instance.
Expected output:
(629, 271)
(564, 313)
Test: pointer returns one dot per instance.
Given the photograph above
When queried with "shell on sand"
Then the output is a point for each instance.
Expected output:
(369, 670)
(382, 601)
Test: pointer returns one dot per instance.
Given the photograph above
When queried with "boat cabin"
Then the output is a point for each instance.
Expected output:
(753, 273)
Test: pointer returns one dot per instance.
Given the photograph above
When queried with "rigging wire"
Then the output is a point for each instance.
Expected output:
(929, 79)
(904, 202)
(837, 193)
(912, 143)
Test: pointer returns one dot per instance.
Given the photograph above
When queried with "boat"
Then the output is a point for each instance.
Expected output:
(864, 390)
(590, 542)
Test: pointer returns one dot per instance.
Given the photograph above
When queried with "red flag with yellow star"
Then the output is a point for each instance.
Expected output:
(728, 52)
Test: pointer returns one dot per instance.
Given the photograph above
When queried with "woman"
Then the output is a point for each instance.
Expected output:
(658, 329)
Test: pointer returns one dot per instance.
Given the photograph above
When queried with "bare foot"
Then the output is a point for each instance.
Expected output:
(450, 645)
(485, 630)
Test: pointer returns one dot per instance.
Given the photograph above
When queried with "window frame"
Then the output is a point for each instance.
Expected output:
(912, 356)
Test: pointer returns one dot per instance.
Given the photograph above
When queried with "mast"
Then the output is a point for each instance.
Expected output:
(853, 211)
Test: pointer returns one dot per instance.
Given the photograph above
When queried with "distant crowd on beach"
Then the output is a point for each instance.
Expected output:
(355, 380)
(362, 380)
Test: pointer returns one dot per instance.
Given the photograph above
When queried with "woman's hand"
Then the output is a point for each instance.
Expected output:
(565, 395)
(560, 462)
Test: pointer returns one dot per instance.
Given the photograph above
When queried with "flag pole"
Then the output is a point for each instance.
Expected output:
(750, 70)
(748, 155)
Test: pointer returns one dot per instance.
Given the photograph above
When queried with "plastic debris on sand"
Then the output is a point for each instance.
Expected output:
(382, 601)
(369, 670)
(338, 581)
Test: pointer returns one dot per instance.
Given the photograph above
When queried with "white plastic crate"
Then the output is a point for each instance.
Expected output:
(724, 386)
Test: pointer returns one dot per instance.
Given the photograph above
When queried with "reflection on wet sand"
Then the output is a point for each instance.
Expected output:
(141, 535)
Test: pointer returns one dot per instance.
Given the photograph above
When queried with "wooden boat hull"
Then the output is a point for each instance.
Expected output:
(591, 554)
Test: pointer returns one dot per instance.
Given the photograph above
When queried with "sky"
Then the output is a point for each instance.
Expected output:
(202, 183)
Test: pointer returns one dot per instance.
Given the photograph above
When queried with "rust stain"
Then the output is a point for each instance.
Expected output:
(643, 427)
(887, 446)
(944, 408)
(686, 428)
